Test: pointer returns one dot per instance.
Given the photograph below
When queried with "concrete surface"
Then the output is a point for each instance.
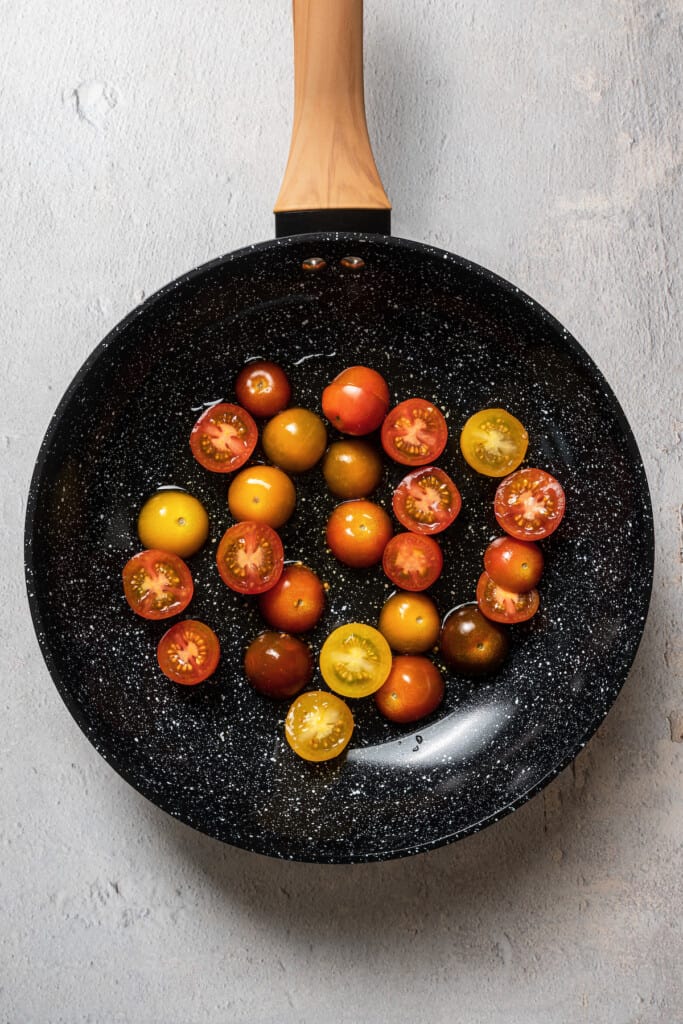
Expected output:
(542, 139)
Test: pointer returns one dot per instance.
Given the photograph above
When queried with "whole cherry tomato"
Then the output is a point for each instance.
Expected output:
(413, 689)
(356, 401)
(352, 469)
(471, 644)
(296, 602)
(410, 622)
(358, 532)
(514, 564)
(263, 388)
(295, 440)
(278, 665)
(262, 494)
(172, 520)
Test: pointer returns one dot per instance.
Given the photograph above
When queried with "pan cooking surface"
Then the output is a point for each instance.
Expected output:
(215, 756)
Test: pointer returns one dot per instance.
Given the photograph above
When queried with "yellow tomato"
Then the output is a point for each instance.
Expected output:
(352, 469)
(318, 726)
(410, 622)
(493, 442)
(294, 440)
(262, 494)
(173, 521)
(355, 660)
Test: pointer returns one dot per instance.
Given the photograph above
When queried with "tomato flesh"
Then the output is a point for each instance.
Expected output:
(355, 660)
(223, 438)
(296, 602)
(502, 605)
(414, 433)
(250, 558)
(412, 561)
(318, 726)
(493, 442)
(189, 652)
(514, 564)
(157, 584)
(471, 643)
(529, 504)
(356, 401)
(426, 501)
(278, 665)
(413, 689)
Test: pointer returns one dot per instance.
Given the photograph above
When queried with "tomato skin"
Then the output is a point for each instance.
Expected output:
(414, 433)
(172, 520)
(493, 442)
(263, 388)
(318, 726)
(529, 504)
(355, 660)
(514, 564)
(356, 401)
(250, 558)
(352, 469)
(295, 440)
(296, 602)
(278, 665)
(189, 652)
(472, 644)
(357, 533)
(413, 690)
(157, 584)
(409, 622)
(412, 561)
(505, 606)
(426, 501)
(262, 494)
(223, 438)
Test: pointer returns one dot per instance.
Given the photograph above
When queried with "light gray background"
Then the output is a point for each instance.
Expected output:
(541, 138)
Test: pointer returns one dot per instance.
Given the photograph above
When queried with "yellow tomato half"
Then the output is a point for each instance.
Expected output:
(493, 442)
(355, 660)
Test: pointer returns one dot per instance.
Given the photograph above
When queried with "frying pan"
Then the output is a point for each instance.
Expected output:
(337, 290)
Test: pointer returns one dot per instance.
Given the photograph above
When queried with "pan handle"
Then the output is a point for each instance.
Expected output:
(331, 181)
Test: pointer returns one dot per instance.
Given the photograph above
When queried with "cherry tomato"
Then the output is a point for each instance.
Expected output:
(514, 564)
(278, 665)
(529, 504)
(157, 584)
(413, 690)
(355, 660)
(356, 401)
(426, 501)
(352, 469)
(412, 561)
(502, 605)
(295, 440)
(472, 644)
(414, 433)
(262, 494)
(250, 557)
(223, 438)
(189, 652)
(318, 726)
(296, 602)
(357, 533)
(263, 388)
(410, 622)
(173, 521)
(493, 442)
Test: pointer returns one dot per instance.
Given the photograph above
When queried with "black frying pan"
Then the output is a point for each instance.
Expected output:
(436, 326)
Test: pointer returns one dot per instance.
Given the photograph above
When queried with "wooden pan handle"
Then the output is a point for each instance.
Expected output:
(330, 165)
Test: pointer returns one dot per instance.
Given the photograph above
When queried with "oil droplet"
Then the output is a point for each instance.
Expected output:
(314, 263)
(352, 262)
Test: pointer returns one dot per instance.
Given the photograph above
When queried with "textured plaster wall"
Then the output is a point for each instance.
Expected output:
(541, 138)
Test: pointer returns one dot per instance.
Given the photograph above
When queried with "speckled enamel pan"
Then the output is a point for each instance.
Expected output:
(214, 756)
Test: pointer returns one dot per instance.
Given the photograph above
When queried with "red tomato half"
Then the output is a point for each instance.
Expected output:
(426, 501)
(157, 584)
(250, 558)
(189, 652)
(529, 504)
(356, 401)
(223, 438)
(414, 433)
(501, 605)
(412, 561)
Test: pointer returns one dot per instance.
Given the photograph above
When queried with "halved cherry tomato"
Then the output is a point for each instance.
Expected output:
(172, 520)
(410, 622)
(223, 438)
(529, 504)
(296, 602)
(278, 665)
(426, 501)
(189, 652)
(493, 442)
(514, 564)
(356, 401)
(472, 644)
(357, 533)
(352, 469)
(263, 388)
(250, 558)
(295, 440)
(318, 726)
(502, 605)
(355, 660)
(414, 433)
(262, 494)
(412, 561)
(413, 689)
(157, 584)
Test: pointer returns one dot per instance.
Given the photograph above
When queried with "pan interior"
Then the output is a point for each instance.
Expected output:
(215, 756)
